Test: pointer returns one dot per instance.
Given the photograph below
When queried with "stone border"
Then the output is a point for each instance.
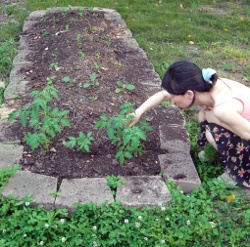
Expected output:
(138, 191)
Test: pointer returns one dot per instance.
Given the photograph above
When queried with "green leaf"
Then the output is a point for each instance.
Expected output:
(71, 143)
(42, 103)
(24, 118)
(65, 122)
(120, 155)
(12, 115)
(66, 79)
(86, 85)
(128, 155)
(130, 87)
(118, 90)
(140, 133)
(92, 77)
(120, 83)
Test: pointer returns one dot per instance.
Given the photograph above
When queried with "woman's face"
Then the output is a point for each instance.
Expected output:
(184, 101)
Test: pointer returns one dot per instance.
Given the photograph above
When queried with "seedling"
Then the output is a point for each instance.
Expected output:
(67, 27)
(54, 66)
(96, 65)
(67, 79)
(45, 34)
(123, 87)
(128, 140)
(78, 38)
(82, 142)
(98, 55)
(93, 80)
(82, 54)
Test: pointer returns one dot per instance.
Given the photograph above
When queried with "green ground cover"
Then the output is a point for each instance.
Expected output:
(210, 33)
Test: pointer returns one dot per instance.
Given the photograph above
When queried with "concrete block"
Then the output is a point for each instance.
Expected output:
(22, 183)
(174, 138)
(20, 59)
(179, 167)
(141, 191)
(10, 155)
(83, 190)
(16, 89)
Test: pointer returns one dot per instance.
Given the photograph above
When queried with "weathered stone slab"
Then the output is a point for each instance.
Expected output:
(16, 89)
(174, 137)
(20, 59)
(179, 167)
(22, 183)
(10, 155)
(32, 19)
(140, 191)
(83, 190)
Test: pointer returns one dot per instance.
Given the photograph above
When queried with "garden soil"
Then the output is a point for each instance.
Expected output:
(69, 47)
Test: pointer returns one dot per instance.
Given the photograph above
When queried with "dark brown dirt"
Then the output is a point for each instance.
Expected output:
(75, 45)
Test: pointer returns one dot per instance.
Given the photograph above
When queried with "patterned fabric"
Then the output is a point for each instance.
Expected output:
(234, 152)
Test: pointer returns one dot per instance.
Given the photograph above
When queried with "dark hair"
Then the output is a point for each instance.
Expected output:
(183, 76)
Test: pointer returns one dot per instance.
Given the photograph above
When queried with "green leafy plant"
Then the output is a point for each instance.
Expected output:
(94, 82)
(68, 79)
(54, 66)
(122, 87)
(128, 140)
(44, 121)
(114, 182)
(82, 142)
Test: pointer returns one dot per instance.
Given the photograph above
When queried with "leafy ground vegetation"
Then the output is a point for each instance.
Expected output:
(212, 34)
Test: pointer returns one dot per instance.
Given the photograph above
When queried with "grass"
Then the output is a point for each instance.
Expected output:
(210, 33)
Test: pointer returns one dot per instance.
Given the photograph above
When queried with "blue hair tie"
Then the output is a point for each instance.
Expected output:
(207, 74)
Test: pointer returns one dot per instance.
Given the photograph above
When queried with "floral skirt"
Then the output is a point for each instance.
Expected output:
(234, 152)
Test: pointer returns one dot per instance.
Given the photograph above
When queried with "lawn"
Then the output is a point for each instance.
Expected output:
(210, 33)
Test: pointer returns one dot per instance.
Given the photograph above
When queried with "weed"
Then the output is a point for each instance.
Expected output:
(94, 82)
(54, 66)
(114, 182)
(82, 54)
(44, 34)
(123, 87)
(96, 65)
(68, 79)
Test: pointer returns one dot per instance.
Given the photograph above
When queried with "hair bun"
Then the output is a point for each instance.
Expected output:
(207, 74)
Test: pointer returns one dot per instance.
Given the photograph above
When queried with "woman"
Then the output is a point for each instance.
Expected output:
(224, 119)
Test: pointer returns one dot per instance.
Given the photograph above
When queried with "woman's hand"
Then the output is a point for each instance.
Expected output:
(136, 119)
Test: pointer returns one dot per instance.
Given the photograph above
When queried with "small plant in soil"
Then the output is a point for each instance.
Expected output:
(123, 87)
(82, 142)
(128, 140)
(54, 66)
(82, 54)
(94, 82)
(44, 121)
(68, 79)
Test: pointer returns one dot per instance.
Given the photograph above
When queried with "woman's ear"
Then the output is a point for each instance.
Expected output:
(190, 94)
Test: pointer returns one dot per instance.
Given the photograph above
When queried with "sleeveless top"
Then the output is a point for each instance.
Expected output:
(241, 93)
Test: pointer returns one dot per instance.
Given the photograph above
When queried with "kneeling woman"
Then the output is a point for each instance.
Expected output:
(224, 119)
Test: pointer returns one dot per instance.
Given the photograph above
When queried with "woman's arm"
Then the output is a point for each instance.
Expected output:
(228, 116)
(150, 103)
